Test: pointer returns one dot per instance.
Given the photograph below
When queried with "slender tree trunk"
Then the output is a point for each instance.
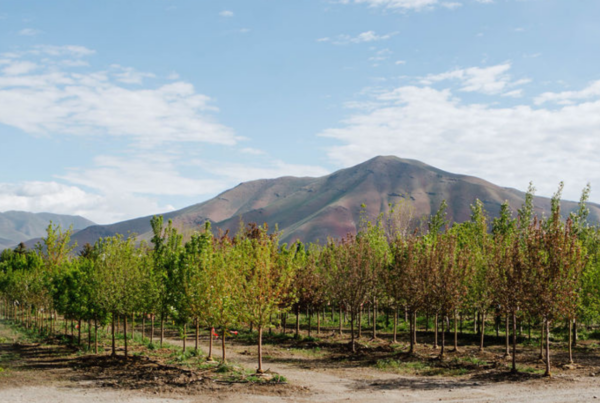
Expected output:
(507, 334)
(435, 331)
(210, 345)
(309, 312)
(443, 338)
(114, 349)
(414, 319)
(319, 323)
(95, 335)
(184, 338)
(341, 320)
(125, 333)
(394, 337)
(152, 329)
(514, 354)
(455, 332)
(411, 337)
(223, 345)
(89, 323)
(162, 329)
(79, 331)
(143, 327)
(570, 341)
(542, 340)
(197, 334)
(353, 341)
(548, 373)
(482, 332)
(374, 320)
(575, 332)
(260, 367)
(297, 320)
(284, 322)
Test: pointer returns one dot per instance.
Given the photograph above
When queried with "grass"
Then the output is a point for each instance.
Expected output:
(417, 368)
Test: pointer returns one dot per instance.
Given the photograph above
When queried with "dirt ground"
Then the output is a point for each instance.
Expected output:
(315, 372)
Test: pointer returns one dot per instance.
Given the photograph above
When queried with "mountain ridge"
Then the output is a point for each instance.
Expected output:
(311, 209)
(20, 226)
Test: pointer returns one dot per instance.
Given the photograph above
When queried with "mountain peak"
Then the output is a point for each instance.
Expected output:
(313, 209)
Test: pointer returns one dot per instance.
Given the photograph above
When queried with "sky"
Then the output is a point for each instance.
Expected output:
(119, 109)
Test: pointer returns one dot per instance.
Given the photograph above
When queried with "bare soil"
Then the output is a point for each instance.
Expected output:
(321, 371)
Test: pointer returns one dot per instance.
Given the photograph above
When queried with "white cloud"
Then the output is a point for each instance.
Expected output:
(400, 62)
(59, 101)
(252, 151)
(398, 4)
(29, 32)
(173, 76)
(507, 145)
(569, 97)
(487, 80)
(129, 75)
(451, 5)
(58, 198)
(148, 174)
(15, 68)
(364, 37)
(226, 13)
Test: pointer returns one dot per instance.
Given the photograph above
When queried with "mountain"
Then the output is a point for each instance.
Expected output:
(313, 209)
(20, 226)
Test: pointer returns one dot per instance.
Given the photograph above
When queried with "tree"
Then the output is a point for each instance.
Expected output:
(267, 273)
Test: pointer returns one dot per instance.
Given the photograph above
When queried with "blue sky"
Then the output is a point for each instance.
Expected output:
(114, 110)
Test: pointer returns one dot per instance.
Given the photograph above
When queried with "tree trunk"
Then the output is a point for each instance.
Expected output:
(514, 354)
(443, 338)
(197, 335)
(309, 312)
(223, 345)
(455, 332)
(570, 341)
(162, 329)
(506, 348)
(353, 341)
(95, 335)
(114, 349)
(260, 367)
(143, 327)
(411, 336)
(394, 336)
(184, 338)
(89, 323)
(482, 327)
(341, 320)
(210, 345)
(374, 320)
(548, 373)
(319, 323)
(575, 332)
(435, 331)
(152, 328)
(542, 340)
(125, 333)
(297, 321)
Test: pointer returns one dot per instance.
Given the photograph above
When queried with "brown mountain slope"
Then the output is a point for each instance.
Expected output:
(315, 208)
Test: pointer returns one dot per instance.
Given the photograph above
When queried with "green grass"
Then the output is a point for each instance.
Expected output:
(417, 368)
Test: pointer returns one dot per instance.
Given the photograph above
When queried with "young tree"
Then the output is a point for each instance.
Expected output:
(267, 273)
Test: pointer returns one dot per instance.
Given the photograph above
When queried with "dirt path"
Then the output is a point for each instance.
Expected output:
(321, 381)
(371, 385)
